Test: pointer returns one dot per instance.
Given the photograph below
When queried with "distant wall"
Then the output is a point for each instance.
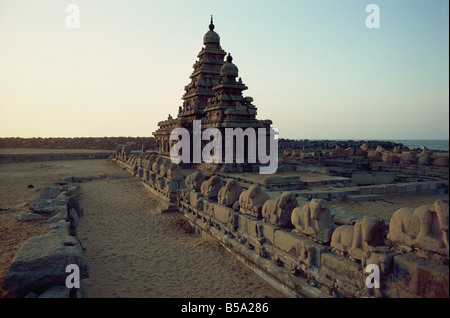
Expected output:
(14, 158)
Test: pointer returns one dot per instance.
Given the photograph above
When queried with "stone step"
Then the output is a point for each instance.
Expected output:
(363, 197)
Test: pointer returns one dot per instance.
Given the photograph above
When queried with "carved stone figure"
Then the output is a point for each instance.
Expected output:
(229, 193)
(425, 227)
(314, 219)
(157, 164)
(252, 200)
(123, 151)
(174, 173)
(194, 181)
(148, 161)
(278, 211)
(366, 234)
(164, 167)
(211, 187)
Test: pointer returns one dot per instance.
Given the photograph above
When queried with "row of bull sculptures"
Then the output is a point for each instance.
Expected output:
(424, 157)
(425, 227)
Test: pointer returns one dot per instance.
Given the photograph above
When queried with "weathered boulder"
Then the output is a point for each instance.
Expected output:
(50, 192)
(42, 260)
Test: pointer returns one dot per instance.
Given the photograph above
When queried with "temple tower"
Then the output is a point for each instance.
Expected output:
(214, 96)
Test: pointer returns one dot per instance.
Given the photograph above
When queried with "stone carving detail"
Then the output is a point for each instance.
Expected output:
(194, 181)
(425, 227)
(278, 211)
(229, 193)
(366, 234)
(314, 219)
(211, 187)
(252, 200)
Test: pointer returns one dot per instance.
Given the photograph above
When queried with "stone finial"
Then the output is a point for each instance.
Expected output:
(211, 25)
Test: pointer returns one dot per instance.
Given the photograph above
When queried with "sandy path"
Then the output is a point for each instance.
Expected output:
(133, 251)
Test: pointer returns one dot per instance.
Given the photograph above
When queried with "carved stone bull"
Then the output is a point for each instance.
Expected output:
(229, 193)
(278, 211)
(252, 200)
(425, 227)
(364, 235)
(314, 219)
(211, 187)
(194, 181)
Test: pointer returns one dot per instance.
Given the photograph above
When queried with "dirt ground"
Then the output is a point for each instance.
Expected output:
(131, 250)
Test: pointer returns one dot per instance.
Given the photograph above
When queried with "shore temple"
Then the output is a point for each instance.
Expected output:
(214, 96)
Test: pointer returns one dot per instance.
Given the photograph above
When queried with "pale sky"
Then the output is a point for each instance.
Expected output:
(312, 66)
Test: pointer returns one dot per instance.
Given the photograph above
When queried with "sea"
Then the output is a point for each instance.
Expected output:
(430, 144)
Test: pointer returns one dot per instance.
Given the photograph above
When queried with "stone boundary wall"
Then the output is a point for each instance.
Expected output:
(303, 247)
(15, 158)
(162, 177)
(303, 252)
(38, 269)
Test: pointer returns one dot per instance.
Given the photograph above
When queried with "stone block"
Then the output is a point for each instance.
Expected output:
(50, 192)
(365, 190)
(221, 213)
(401, 187)
(421, 277)
(233, 220)
(362, 178)
(42, 261)
(255, 228)
(379, 189)
(196, 200)
(383, 178)
(268, 231)
(391, 188)
(342, 269)
(411, 187)
(244, 223)
(423, 186)
(288, 242)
